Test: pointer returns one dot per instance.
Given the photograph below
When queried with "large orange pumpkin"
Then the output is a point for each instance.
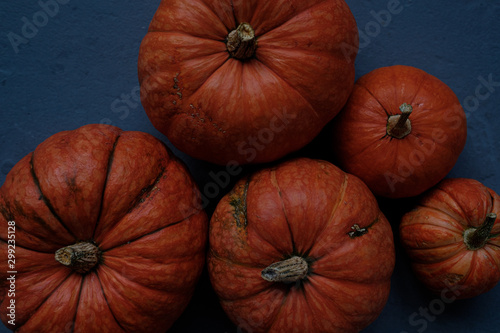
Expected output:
(302, 247)
(453, 238)
(104, 233)
(246, 81)
(401, 131)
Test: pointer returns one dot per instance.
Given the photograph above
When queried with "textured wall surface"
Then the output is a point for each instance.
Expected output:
(79, 66)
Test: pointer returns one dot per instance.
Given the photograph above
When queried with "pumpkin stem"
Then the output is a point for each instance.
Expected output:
(399, 126)
(476, 238)
(80, 257)
(241, 43)
(286, 271)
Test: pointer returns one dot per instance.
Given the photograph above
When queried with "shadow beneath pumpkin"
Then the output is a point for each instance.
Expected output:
(204, 313)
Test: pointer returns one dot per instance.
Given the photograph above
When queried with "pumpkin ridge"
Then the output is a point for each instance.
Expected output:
(277, 76)
(227, 260)
(150, 233)
(294, 15)
(45, 200)
(146, 191)
(169, 292)
(420, 85)
(108, 170)
(143, 193)
(193, 93)
(7, 210)
(457, 231)
(274, 181)
(77, 305)
(148, 75)
(453, 259)
(463, 217)
(332, 215)
(180, 32)
(235, 19)
(459, 246)
(262, 238)
(217, 15)
(275, 319)
(436, 209)
(472, 264)
(373, 96)
(107, 302)
(491, 255)
(19, 326)
(27, 248)
(458, 243)
(244, 298)
(330, 298)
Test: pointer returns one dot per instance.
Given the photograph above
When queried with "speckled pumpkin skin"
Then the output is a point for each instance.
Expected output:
(433, 236)
(127, 193)
(307, 208)
(218, 108)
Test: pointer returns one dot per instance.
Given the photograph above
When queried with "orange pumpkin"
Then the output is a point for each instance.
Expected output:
(106, 234)
(246, 81)
(301, 247)
(401, 131)
(453, 238)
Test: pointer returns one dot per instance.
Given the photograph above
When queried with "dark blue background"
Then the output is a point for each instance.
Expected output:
(80, 68)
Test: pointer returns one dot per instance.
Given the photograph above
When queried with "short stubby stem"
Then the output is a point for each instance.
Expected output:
(241, 42)
(80, 257)
(287, 271)
(399, 126)
(476, 238)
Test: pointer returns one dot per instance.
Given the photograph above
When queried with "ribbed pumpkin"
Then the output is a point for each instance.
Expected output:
(301, 247)
(401, 131)
(246, 81)
(108, 231)
(453, 238)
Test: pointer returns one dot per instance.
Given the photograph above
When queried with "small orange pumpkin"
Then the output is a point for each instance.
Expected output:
(246, 81)
(401, 131)
(453, 238)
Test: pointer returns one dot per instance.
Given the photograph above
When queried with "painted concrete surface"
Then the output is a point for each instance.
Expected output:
(76, 63)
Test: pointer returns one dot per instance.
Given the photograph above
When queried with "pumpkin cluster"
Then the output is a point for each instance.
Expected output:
(110, 223)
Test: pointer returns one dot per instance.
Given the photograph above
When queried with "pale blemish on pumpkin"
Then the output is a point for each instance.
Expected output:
(176, 86)
(239, 203)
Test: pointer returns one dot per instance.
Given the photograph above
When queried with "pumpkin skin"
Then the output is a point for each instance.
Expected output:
(307, 209)
(434, 236)
(124, 192)
(217, 107)
(399, 167)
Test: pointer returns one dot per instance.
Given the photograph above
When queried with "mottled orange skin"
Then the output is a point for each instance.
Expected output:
(302, 207)
(218, 108)
(126, 192)
(433, 236)
(404, 167)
